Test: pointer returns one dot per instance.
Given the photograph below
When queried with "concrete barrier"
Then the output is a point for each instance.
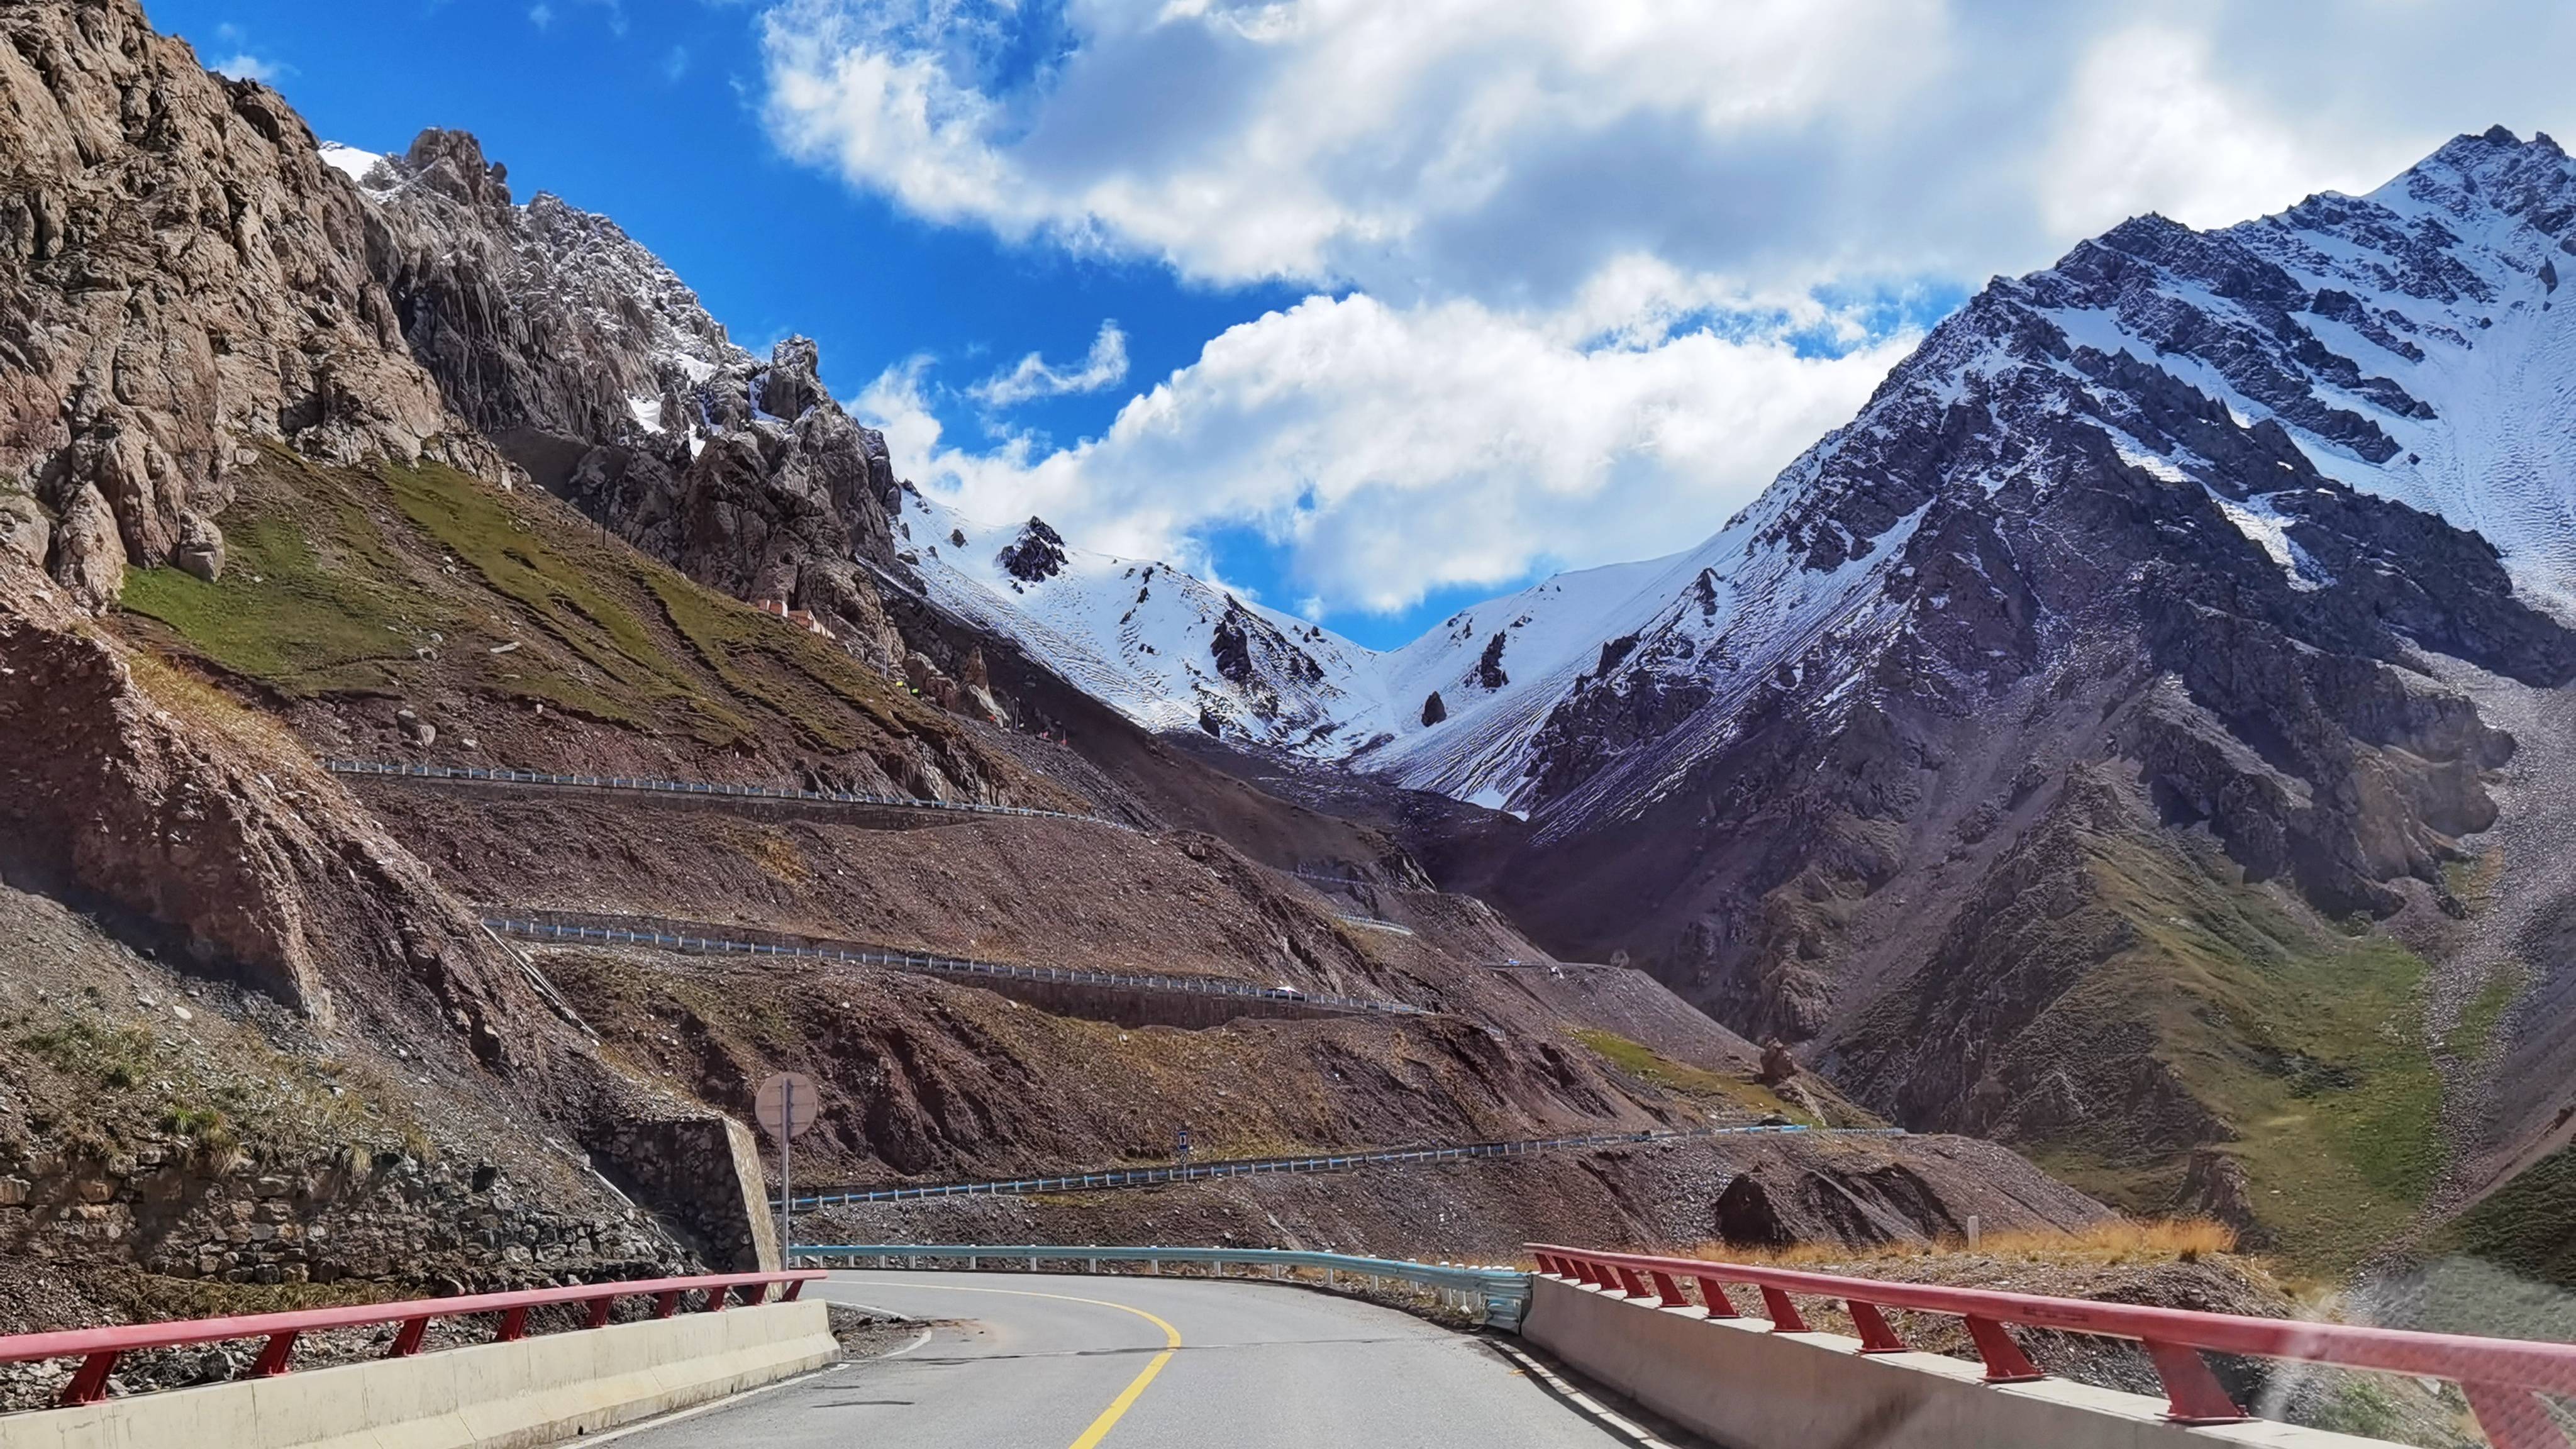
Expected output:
(491, 1396)
(1742, 1385)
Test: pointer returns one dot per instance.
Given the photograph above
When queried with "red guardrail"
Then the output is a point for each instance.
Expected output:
(98, 1349)
(2500, 1376)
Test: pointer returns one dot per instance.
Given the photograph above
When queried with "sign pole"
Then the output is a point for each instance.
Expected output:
(787, 1104)
(787, 1183)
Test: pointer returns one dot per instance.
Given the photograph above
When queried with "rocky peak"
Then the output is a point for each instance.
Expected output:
(1035, 555)
(451, 164)
(598, 372)
(793, 383)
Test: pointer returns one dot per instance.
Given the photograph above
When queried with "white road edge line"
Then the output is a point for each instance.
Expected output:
(711, 1405)
(729, 1400)
(1619, 1424)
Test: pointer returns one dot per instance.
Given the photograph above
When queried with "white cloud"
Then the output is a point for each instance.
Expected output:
(1391, 451)
(2147, 126)
(1570, 242)
(541, 16)
(1242, 141)
(1504, 149)
(1105, 366)
(245, 66)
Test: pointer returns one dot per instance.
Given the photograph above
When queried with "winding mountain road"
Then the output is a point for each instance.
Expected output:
(1047, 1361)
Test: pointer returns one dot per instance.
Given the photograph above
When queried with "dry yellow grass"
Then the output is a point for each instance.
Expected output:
(2122, 1240)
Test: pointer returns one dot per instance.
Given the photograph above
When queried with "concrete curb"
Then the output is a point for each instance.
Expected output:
(1738, 1383)
(491, 1396)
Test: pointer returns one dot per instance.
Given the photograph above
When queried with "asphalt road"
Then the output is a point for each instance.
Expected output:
(1047, 1361)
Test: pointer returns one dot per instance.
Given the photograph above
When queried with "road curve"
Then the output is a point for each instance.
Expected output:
(1052, 1361)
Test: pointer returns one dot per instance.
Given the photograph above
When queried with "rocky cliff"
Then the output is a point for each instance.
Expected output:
(182, 275)
(595, 369)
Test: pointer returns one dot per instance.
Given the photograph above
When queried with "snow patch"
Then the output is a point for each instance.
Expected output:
(2270, 531)
(349, 161)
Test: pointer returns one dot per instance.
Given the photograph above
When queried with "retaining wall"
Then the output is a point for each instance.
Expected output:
(703, 1177)
(492, 1396)
(1741, 1385)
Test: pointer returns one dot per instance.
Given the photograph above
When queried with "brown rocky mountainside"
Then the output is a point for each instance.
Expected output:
(2068, 751)
(296, 469)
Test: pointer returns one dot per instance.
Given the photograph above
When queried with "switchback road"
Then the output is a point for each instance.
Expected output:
(1046, 1361)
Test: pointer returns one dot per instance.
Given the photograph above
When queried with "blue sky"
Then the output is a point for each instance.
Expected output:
(649, 111)
(1373, 310)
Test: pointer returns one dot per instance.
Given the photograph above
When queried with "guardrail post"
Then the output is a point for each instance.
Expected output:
(2005, 1362)
(1713, 1293)
(1669, 1291)
(514, 1326)
(600, 1308)
(407, 1338)
(1784, 1313)
(89, 1381)
(1630, 1283)
(1875, 1334)
(2513, 1418)
(274, 1355)
(2192, 1392)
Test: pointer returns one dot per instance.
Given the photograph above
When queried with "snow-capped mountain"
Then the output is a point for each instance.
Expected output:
(1157, 644)
(2406, 344)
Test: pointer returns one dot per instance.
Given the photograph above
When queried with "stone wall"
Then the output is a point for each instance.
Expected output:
(702, 1177)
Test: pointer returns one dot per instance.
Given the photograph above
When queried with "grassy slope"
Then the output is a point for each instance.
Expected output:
(1654, 1069)
(2527, 1227)
(2307, 1042)
(388, 580)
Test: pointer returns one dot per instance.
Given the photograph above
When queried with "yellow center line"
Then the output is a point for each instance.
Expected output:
(1127, 1397)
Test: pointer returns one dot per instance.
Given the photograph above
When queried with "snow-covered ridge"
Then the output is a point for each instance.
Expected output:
(2408, 342)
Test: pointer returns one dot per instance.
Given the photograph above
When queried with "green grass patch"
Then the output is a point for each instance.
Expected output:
(1655, 1069)
(624, 674)
(307, 605)
(2309, 1043)
(115, 1057)
(2527, 1226)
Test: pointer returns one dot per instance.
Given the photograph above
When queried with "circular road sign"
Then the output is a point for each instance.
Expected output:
(788, 1104)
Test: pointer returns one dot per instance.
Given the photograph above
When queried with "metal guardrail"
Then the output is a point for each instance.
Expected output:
(1328, 1162)
(534, 930)
(1494, 1295)
(1372, 923)
(697, 788)
(98, 1349)
(2502, 1378)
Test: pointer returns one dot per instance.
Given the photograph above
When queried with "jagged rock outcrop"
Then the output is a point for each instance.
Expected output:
(25, 532)
(597, 370)
(1036, 555)
(180, 273)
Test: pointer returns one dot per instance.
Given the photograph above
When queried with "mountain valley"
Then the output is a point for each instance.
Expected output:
(2118, 767)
